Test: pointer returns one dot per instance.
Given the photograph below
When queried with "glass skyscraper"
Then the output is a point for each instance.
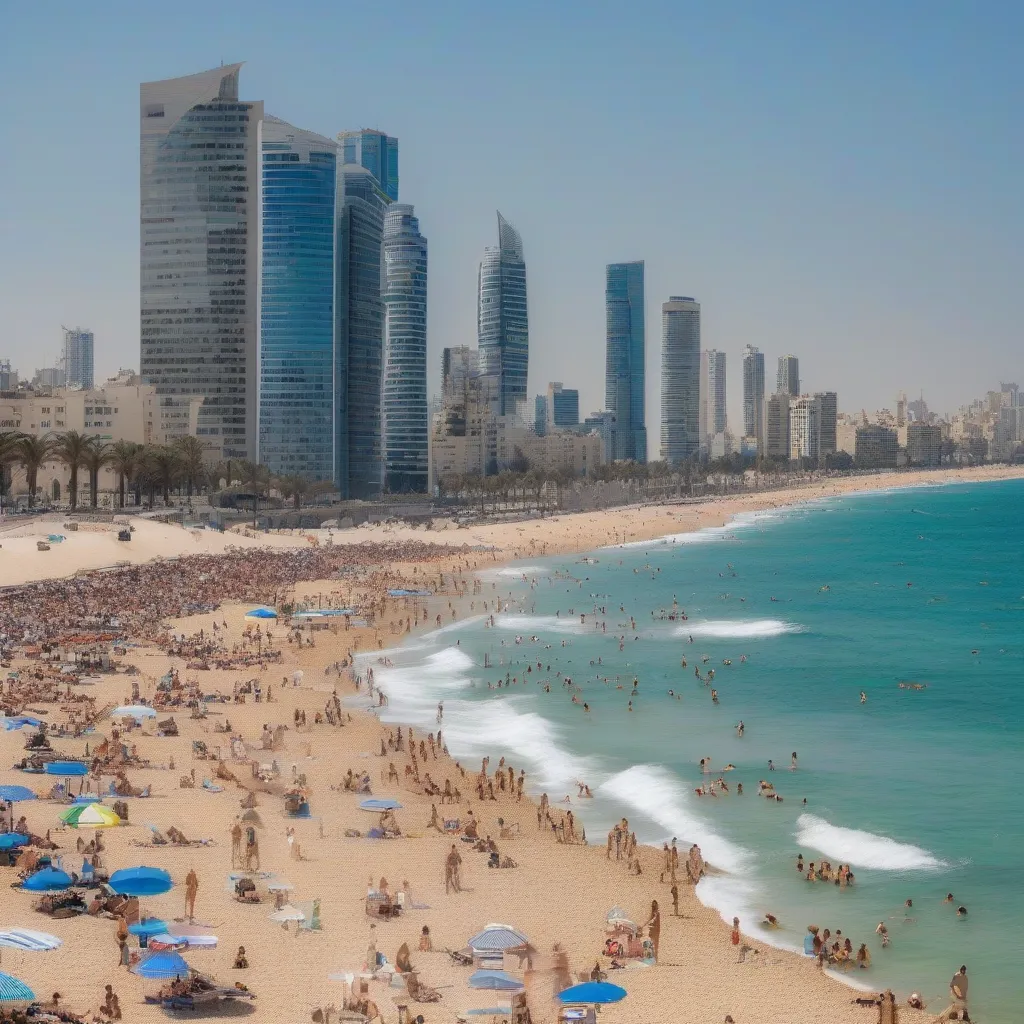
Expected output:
(503, 334)
(375, 151)
(405, 353)
(680, 379)
(753, 396)
(625, 368)
(296, 338)
(787, 380)
(359, 337)
(78, 358)
(199, 274)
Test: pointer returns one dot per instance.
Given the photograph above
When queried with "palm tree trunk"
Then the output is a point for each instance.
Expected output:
(74, 488)
(120, 490)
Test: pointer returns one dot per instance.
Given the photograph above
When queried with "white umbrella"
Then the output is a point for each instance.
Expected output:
(136, 711)
(280, 886)
(288, 913)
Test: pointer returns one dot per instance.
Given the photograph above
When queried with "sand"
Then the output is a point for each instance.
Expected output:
(558, 893)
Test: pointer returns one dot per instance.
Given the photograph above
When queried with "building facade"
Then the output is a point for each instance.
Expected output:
(753, 396)
(805, 428)
(199, 272)
(924, 444)
(359, 338)
(713, 411)
(78, 358)
(829, 404)
(296, 430)
(625, 359)
(777, 427)
(877, 447)
(562, 406)
(680, 379)
(787, 379)
(375, 151)
(406, 425)
(503, 333)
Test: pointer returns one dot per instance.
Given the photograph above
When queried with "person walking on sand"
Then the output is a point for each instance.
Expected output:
(452, 864)
(675, 899)
(236, 844)
(653, 926)
(191, 891)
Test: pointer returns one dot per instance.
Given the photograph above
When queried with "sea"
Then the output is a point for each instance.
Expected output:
(912, 597)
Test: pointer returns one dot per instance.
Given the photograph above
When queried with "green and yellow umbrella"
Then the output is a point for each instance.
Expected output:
(89, 816)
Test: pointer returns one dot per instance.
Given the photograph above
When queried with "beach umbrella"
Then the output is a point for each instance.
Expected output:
(136, 711)
(288, 913)
(166, 939)
(91, 815)
(151, 926)
(68, 769)
(162, 964)
(280, 887)
(380, 804)
(141, 881)
(261, 613)
(596, 992)
(16, 794)
(9, 840)
(28, 940)
(498, 981)
(47, 880)
(497, 938)
(14, 991)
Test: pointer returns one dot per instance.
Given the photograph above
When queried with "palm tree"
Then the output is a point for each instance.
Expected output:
(191, 461)
(295, 487)
(70, 448)
(9, 441)
(162, 465)
(255, 478)
(97, 455)
(124, 459)
(33, 453)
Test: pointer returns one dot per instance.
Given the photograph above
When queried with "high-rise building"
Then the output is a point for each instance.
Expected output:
(375, 151)
(876, 447)
(712, 395)
(753, 396)
(540, 415)
(805, 427)
(502, 323)
(680, 379)
(625, 360)
(200, 166)
(359, 337)
(8, 376)
(78, 358)
(563, 407)
(924, 444)
(777, 427)
(458, 363)
(296, 431)
(829, 404)
(406, 422)
(787, 381)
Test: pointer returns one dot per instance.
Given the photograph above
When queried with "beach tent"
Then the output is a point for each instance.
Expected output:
(380, 804)
(497, 938)
(19, 722)
(141, 881)
(9, 840)
(136, 711)
(90, 815)
(498, 981)
(14, 991)
(67, 769)
(592, 992)
(162, 964)
(261, 613)
(47, 880)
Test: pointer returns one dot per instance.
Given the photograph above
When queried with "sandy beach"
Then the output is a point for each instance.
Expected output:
(557, 892)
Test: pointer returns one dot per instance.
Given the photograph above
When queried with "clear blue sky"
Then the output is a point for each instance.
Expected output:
(841, 181)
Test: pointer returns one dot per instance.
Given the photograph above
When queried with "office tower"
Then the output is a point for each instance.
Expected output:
(680, 379)
(375, 151)
(712, 395)
(502, 324)
(625, 359)
(359, 334)
(787, 381)
(777, 427)
(199, 272)
(405, 353)
(924, 444)
(78, 358)
(296, 329)
(563, 407)
(805, 428)
(540, 415)
(753, 396)
(458, 363)
(876, 447)
(829, 403)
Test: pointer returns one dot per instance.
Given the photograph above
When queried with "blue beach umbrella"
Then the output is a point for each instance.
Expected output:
(596, 992)
(141, 881)
(47, 880)
(14, 991)
(9, 840)
(497, 981)
(151, 926)
(15, 794)
(68, 769)
(165, 964)
(380, 804)
(261, 613)
(497, 938)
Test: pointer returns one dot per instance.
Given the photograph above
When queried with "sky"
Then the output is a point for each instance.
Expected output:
(838, 181)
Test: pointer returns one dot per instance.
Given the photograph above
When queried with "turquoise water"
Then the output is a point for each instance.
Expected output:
(919, 790)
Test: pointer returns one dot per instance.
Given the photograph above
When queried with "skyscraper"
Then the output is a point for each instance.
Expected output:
(405, 353)
(502, 325)
(375, 151)
(563, 406)
(829, 404)
(78, 358)
(805, 427)
(787, 381)
(199, 272)
(680, 379)
(753, 396)
(625, 359)
(712, 395)
(359, 338)
(296, 330)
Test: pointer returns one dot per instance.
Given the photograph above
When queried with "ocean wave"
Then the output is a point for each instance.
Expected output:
(863, 849)
(516, 571)
(542, 623)
(659, 795)
(740, 629)
(452, 627)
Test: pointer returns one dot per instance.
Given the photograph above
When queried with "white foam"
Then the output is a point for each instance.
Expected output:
(517, 571)
(740, 629)
(659, 795)
(543, 623)
(863, 849)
